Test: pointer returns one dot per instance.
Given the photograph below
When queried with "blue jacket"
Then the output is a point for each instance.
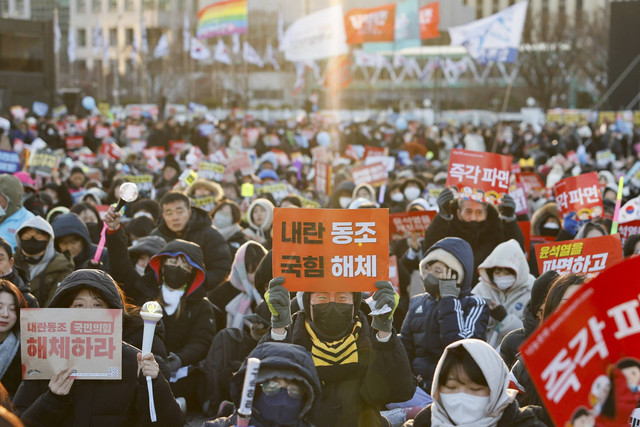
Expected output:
(10, 225)
(433, 323)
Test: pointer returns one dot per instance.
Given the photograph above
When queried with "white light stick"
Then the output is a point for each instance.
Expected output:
(128, 193)
(151, 313)
(248, 391)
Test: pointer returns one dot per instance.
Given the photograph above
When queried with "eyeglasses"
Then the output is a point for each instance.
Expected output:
(178, 262)
(273, 387)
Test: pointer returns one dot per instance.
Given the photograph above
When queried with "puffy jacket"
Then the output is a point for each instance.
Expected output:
(505, 255)
(510, 345)
(217, 258)
(68, 224)
(15, 213)
(433, 323)
(492, 232)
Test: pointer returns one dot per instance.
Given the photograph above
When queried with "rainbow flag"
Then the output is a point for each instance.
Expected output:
(222, 18)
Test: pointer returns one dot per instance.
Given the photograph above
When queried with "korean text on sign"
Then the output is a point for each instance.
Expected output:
(331, 249)
(583, 256)
(581, 195)
(479, 176)
(403, 223)
(89, 341)
(583, 346)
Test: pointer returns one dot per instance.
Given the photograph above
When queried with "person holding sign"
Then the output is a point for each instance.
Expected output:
(446, 312)
(63, 401)
(353, 358)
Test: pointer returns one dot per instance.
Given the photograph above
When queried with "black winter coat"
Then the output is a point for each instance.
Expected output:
(100, 403)
(493, 231)
(510, 346)
(217, 258)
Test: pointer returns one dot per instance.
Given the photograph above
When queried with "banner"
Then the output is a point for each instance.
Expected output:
(206, 203)
(429, 18)
(581, 256)
(10, 162)
(532, 182)
(222, 18)
(278, 190)
(375, 174)
(319, 35)
(322, 179)
(211, 171)
(583, 358)
(89, 341)
(494, 38)
(374, 24)
(331, 250)
(74, 142)
(143, 182)
(580, 195)
(402, 224)
(43, 163)
(628, 229)
(479, 176)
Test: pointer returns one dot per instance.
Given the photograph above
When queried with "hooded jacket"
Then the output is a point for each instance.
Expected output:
(490, 233)
(217, 258)
(68, 224)
(190, 330)
(502, 409)
(280, 360)
(344, 187)
(262, 233)
(51, 270)
(505, 255)
(95, 402)
(15, 213)
(433, 323)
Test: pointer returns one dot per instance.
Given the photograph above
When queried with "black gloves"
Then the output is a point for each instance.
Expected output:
(444, 204)
(498, 312)
(507, 208)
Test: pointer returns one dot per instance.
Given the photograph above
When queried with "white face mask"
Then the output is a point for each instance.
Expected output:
(221, 220)
(464, 408)
(504, 282)
(397, 197)
(411, 193)
(171, 299)
(344, 202)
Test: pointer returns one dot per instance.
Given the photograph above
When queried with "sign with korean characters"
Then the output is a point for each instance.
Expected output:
(43, 163)
(73, 142)
(331, 250)
(581, 256)
(322, 178)
(479, 176)
(144, 182)
(239, 160)
(206, 203)
(89, 341)
(375, 174)
(628, 229)
(588, 352)
(9, 162)
(580, 195)
(532, 182)
(404, 223)
(134, 131)
(211, 171)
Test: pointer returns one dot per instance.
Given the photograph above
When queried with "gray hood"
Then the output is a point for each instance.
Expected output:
(40, 224)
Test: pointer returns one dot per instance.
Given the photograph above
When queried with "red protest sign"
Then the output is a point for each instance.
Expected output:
(322, 178)
(525, 227)
(154, 152)
(628, 228)
(429, 19)
(134, 131)
(176, 146)
(403, 223)
(479, 176)
(574, 358)
(520, 198)
(579, 194)
(375, 174)
(581, 256)
(370, 151)
(532, 182)
(74, 142)
(331, 250)
(89, 341)
(376, 24)
(101, 132)
(351, 152)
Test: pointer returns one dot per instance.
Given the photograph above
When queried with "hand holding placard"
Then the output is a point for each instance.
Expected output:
(279, 303)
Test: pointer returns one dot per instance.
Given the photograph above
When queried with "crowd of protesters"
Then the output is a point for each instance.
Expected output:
(468, 295)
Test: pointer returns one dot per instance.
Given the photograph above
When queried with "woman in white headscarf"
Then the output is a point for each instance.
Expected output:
(470, 388)
(260, 219)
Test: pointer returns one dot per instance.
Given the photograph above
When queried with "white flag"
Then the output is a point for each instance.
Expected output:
(270, 57)
(280, 29)
(71, 46)
(162, 48)
(57, 36)
(199, 51)
(250, 55)
(144, 44)
(494, 38)
(186, 33)
(134, 49)
(97, 40)
(221, 53)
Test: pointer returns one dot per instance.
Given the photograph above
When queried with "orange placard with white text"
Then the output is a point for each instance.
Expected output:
(331, 250)
(376, 24)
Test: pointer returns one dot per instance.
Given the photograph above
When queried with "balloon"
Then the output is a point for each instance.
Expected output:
(323, 139)
(88, 103)
(401, 123)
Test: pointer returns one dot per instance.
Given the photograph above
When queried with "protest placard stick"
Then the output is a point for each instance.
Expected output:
(128, 193)
(248, 391)
(616, 213)
(151, 313)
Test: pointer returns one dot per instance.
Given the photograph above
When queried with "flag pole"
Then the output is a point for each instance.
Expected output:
(505, 104)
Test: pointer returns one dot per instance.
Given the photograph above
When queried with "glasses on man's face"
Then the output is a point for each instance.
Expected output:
(273, 387)
(178, 262)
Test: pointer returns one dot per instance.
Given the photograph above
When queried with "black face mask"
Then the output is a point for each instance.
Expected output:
(431, 285)
(32, 246)
(333, 319)
(175, 277)
(472, 227)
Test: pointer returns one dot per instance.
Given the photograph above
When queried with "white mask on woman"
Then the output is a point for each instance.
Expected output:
(464, 408)
(411, 193)
(397, 197)
(504, 282)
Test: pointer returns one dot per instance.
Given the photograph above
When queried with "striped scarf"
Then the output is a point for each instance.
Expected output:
(340, 352)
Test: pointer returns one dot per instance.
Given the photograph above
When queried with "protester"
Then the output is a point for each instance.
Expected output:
(12, 213)
(9, 272)
(72, 236)
(11, 301)
(62, 401)
(226, 219)
(260, 219)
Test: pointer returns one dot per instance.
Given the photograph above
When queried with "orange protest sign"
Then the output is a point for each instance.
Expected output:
(331, 250)
(89, 341)
(581, 256)
(429, 18)
(376, 24)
